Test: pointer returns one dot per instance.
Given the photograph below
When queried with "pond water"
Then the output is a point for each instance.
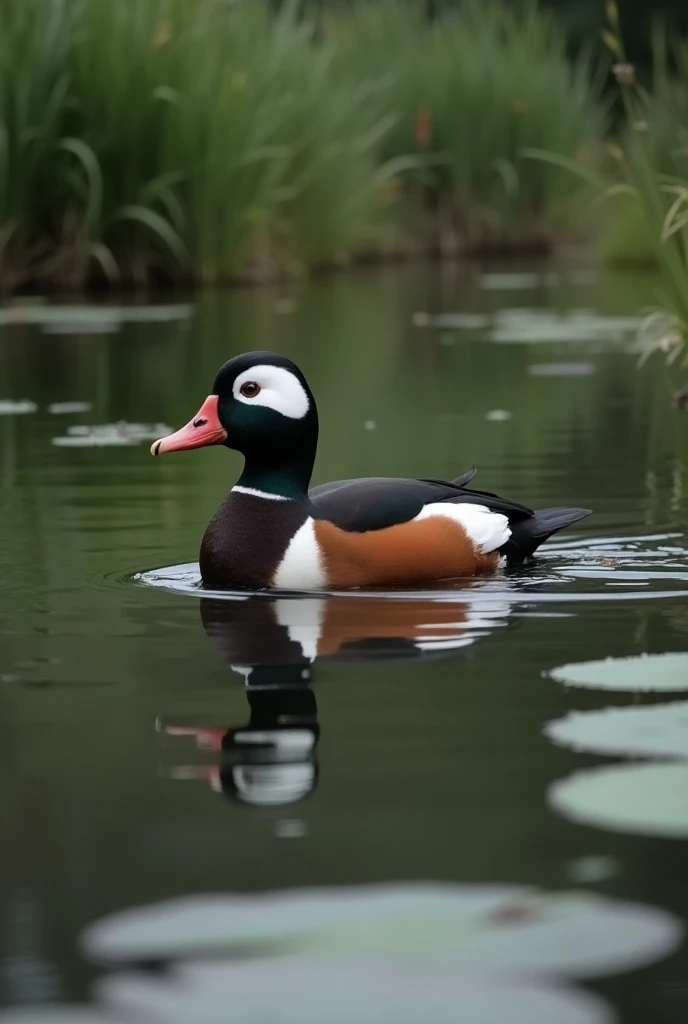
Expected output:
(449, 798)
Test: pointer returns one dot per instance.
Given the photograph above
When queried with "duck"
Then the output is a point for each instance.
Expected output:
(273, 531)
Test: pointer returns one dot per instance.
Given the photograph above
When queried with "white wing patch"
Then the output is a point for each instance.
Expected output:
(279, 390)
(301, 568)
(488, 530)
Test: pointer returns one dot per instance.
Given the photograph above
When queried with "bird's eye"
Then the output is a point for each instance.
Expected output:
(250, 389)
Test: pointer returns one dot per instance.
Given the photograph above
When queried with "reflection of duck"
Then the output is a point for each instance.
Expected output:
(270, 760)
(260, 636)
(273, 643)
(272, 531)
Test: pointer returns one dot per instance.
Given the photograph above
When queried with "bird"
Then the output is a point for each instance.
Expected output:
(275, 532)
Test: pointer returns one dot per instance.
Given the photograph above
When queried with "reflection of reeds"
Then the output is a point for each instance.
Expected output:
(189, 140)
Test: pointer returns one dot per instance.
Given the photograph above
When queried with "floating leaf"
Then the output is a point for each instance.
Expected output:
(291, 991)
(561, 369)
(107, 435)
(500, 929)
(645, 673)
(93, 318)
(81, 327)
(457, 321)
(510, 282)
(64, 408)
(67, 1013)
(659, 730)
(527, 326)
(12, 407)
(648, 800)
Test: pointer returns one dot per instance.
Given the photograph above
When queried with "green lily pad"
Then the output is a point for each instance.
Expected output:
(659, 730)
(648, 799)
(291, 991)
(645, 673)
(501, 930)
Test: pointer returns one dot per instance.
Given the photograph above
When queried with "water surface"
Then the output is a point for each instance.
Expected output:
(160, 742)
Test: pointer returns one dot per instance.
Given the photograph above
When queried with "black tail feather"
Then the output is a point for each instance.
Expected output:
(528, 534)
(465, 478)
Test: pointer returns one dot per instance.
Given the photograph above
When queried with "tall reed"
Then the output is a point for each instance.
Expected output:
(652, 162)
(200, 141)
(472, 89)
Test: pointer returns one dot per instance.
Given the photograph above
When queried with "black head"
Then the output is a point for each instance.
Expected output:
(264, 401)
(260, 405)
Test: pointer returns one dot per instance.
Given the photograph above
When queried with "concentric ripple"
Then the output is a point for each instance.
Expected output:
(608, 569)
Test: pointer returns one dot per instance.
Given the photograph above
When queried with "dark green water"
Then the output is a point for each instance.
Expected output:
(404, 764)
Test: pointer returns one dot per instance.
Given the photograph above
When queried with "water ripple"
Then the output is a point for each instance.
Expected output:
(601, 569)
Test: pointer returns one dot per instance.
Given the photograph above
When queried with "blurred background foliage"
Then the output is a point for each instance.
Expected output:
(195, 142)
(241, 140)
(582, 20)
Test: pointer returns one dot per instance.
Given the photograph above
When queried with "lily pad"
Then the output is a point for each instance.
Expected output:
(67, 1013)
(510, 281)
(526, 326)
(290, 991)
(458, 321)
(65, 408)
(86, 319)
(644, 673)
(648, 799)
(107, 435)
(503, 282)
(12, 407)
(561, 369)
(393, 954)
(504, 930)
(660, 730)
(82, 327)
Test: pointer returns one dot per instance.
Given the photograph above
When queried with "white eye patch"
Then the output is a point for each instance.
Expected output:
(279, 390)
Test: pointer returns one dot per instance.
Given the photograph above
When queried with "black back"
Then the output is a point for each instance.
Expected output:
(374, 503)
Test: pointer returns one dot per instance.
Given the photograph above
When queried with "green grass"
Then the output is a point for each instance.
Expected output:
(200, 141)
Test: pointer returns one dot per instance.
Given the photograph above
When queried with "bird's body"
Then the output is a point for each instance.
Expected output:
(272, 531)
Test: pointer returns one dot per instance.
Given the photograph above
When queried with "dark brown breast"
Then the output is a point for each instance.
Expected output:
(246, 540)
